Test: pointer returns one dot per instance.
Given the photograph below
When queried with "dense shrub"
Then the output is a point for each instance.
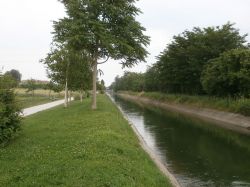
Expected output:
(9, 115)
(243, 107)
(228, 75)
(77, 97)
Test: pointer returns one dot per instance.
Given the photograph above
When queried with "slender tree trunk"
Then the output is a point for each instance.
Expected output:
(81, 93)
(49, 93)
(66, 99)
(66, 94)
(94, 84)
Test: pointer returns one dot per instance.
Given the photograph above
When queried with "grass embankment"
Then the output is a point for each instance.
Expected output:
(78, 147)
(26, 100)
(241, 106)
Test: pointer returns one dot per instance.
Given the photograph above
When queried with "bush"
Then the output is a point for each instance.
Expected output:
(228, 75)
(9, 115)
(77, 97)
(244, 107)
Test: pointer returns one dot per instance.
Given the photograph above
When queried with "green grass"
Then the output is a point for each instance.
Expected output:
(78, 147)
(38, 92)
(241, 105)
(26, 100)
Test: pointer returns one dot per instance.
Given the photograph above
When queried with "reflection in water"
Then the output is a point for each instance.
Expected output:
(198, 154)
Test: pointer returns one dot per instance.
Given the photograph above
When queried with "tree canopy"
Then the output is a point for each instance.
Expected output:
(182, 62)
(212, 60)
(105, 29)
(229, 74)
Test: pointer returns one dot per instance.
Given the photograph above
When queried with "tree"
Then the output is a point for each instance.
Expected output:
(16, 75)
(182, 62)
(229, 74)
(58, 62)
(70, 68)
(130, 81)
(101, 86)
(51, 86)
(105, 29)
(80, 75)
(31, 86)
(7, 81)
(152, 79)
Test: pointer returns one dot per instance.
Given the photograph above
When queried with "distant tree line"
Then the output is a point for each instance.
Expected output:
(212, 60)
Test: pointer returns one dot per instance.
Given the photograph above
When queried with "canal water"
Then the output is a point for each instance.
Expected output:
(195, 152)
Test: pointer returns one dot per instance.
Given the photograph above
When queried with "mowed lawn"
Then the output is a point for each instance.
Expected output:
(78, 147)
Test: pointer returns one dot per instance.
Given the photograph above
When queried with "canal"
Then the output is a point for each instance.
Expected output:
(195, 152)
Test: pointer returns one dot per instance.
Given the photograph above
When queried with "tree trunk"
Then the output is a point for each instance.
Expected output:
(66, 99)
(94, 84)
(81, 93)
(66, 94)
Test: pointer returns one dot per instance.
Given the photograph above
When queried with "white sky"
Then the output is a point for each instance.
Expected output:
(25, 28)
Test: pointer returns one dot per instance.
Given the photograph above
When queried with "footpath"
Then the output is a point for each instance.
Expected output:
(32, 110)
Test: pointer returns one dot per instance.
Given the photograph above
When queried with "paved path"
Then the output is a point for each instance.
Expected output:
(35, 109)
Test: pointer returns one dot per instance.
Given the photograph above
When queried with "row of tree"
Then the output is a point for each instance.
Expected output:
(93, 32)
(212, 60)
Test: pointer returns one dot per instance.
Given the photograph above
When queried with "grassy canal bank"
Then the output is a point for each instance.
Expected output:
(78, 147)
(240, 106)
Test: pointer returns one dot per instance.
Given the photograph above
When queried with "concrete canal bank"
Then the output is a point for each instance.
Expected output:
(235, 122)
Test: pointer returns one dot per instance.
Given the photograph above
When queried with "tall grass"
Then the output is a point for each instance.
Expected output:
(26, 99)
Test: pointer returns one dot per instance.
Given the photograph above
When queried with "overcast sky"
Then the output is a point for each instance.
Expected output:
(26, 26)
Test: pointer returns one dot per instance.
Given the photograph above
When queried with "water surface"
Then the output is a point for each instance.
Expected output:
(195, 152)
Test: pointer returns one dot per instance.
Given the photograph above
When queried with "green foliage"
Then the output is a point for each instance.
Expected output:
(103, 29)
(16, 75)
(101, 86)
(152, 78)
(31, 86)
(78, 147)
(182, 62)
(9, 115)
(7, 81)
(63, 63)
(77, 97)
(54, 87)
(229, 74)
(213, 60)
(129, 81)
(243, 107)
